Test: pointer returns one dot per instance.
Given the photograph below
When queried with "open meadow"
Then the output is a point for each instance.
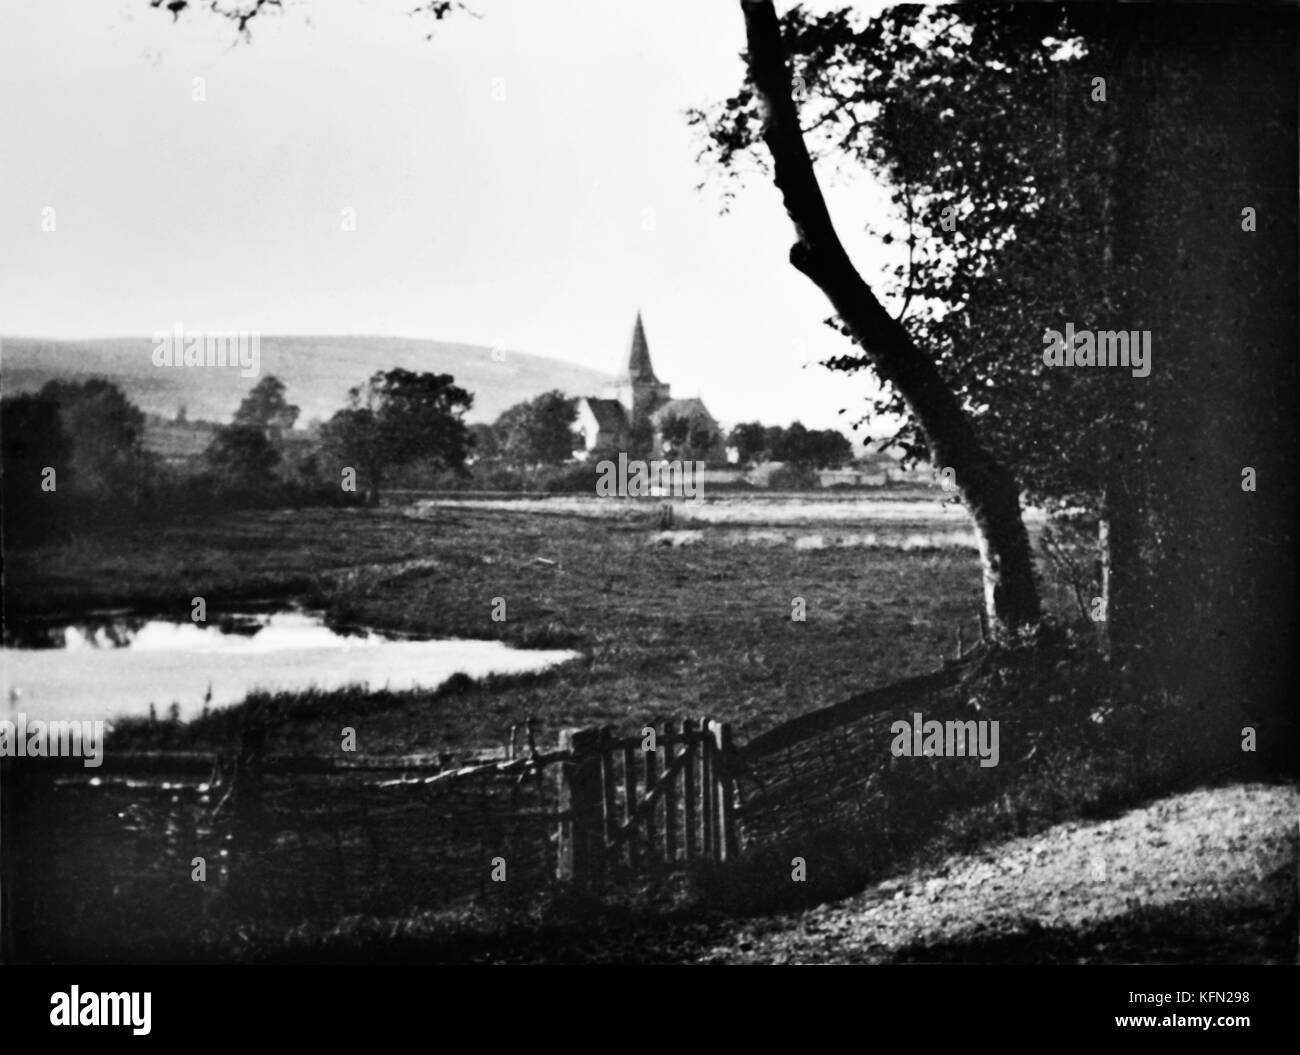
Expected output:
(694, 620)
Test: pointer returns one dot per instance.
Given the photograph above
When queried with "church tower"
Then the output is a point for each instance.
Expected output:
(637, 388)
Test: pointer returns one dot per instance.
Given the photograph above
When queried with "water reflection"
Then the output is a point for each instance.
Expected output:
(118, 630)
(122, 664)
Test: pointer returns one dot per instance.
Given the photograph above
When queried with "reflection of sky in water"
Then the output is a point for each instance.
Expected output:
(123, 667)
(287, 630)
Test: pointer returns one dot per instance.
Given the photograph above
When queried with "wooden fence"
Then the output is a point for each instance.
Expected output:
(660, 799)
(283, 838)
(600, 806)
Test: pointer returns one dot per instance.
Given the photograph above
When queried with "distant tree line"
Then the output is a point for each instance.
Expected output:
(74, 457)
(801, 447)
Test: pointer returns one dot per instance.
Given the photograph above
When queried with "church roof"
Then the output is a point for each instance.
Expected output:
(638, 359)
(691, 409)
(609, 414)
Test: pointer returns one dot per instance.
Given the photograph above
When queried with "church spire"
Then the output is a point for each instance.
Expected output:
(638, 359)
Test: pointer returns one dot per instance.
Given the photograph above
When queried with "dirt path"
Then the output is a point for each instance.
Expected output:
(1206, 876)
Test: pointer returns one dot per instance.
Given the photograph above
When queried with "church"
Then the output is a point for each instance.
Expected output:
(637, 415)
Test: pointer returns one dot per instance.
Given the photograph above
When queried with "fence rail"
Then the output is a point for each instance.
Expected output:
(597, 806)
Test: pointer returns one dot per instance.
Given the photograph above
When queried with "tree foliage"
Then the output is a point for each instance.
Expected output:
(106, 433)
(750, 440)
(398, 417)
(798, 445)
(31, 439)
(266, 408)
(242, 456)
(539, 431)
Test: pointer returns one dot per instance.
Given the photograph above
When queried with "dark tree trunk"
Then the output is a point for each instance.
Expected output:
(989, 489)
(1122, 580)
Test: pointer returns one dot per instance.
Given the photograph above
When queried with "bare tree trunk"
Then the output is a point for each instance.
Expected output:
(989, 489)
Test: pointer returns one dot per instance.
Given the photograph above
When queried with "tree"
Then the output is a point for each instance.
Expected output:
(539, 431)
(689, 436)
(106, 433)
(266, 408)
(675, 430)
(749, 439)
(830, 448)
(812, 448)
(989, 488)
(396, 418)
(31, 440)
(246, 453)
(699, 441)
(807, 448)
(1030, 201)
(793, 446)
(773, 442)
(242, 456)
(486, 446)
(1008, 228)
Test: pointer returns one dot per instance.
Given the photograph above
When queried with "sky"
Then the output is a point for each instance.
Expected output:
(525, 180)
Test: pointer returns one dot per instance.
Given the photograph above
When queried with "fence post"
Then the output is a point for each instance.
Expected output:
(540, 779)
(726, 788)
(669, 744)
(629, 805)
(581, 851)
(654, 852)
(608, 784)
(707, 806)
(691, 748)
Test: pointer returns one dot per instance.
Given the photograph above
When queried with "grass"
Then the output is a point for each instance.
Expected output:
(666, 631)
(1080, 769)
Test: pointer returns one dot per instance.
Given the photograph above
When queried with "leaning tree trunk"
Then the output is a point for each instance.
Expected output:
(989, 489)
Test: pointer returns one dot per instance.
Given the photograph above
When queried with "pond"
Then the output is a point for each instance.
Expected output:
(119, 664)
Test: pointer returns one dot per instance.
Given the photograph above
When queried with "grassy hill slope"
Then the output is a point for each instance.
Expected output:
(317, 370)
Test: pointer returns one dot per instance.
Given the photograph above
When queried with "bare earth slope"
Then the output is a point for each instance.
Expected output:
(1206, 876)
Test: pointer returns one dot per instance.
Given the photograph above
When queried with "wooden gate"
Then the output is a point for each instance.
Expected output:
(627, 804)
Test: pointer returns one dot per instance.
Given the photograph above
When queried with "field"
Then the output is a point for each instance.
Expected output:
(690, 621)
(686, 620)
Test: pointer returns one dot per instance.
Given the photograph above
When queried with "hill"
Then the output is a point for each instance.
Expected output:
(317, 370)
